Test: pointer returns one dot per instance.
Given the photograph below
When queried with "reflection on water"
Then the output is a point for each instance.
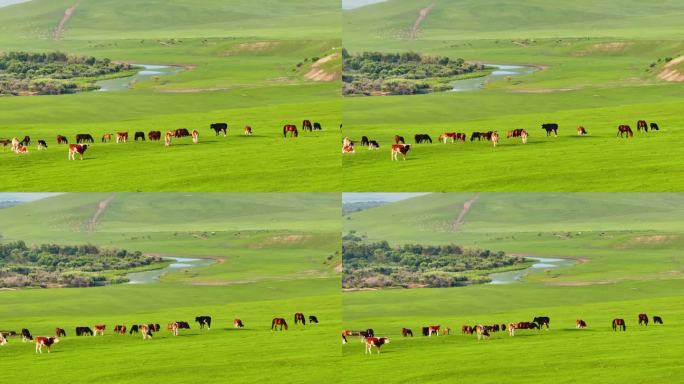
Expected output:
(351, 4)
(179, 263)
(4, 3)
(543, 263)
(501, 72)
(148, 72)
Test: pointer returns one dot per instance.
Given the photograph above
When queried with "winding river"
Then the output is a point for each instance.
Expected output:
(147, 72)
(500, 72)
(179, 264)
(509, 277)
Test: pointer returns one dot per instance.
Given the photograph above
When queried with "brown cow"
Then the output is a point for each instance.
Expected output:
(399, 139)
(406, 332)
(237, 323)
(579, 323)
(121, 137)
(60, 332)
(376, 342)
(641, 124)
(247, 131)
(400, 148)
(45, 341)
(433, 329)
(619, 323)
(481, 332)
(62, 140)
(77, 148)
(581, 131)
(107, 137)
(626, 130)
(99, 328)
(467, 329)
(643, 319)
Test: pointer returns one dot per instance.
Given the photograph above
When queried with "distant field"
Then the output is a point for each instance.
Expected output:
(626, 249)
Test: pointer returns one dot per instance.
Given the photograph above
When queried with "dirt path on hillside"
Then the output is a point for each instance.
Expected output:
(413, 33)
(460, 220)
(59, 31)
(670, 74)
(92, 223)
(316, 73)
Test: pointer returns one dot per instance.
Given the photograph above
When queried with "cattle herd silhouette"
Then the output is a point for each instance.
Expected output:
(146, 330)
(84, 140)
(370, 340)
(400, 147)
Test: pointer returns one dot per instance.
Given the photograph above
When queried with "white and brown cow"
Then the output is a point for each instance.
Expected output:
(195, 136)
(511, 329)
(167, 138)
(400, 148)
(3, 340)
(433, 329)
(99, 329)
(376, 342)
(495, 138)
(247, 131)
(45, 341)
(347, 146)
(121, 137)
(481, 331)
(77, 148)
(237, 323)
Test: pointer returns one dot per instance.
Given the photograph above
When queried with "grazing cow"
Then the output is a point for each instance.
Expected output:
(299, 318)
(511, 329)
(195, 136)
(139, 135)
(494, 137)
(373, 145)
(579, 323)
(317, 126)
(454, 136)
(146, 331)
(181, 132)
(654, 127)
(183, 325)
(433, 329)
(367, 333)
(527, 325)
(42, 144)
(406, 332)
(467, 330)
(174, 328)
(135, 328)
(167, 138)
(156, 327)
(21, 149)
(643, 319)
(99, 329)
(641, 124)
(376, 342)
(26, 335)
(247, 131)
(347, 146)
(45, 341)
(106, 138)
(26, 142)
(550, 127)
(203, 320)
(364, 141)
(62, 140)
(6, 143)
(581, 131)
(8, 333)
(625, 130)
(291, 129)
(313, 319)
(495, 328)
(237, 323)
(514, 133)
(478, 136)
(120, 329)
(219, 127)
(84, 138)
(657, 320)
(542, 321)
(481, 332)
(619, 323)
(3, 340)
(523, 136)
(306, 124)
(76, 148)
(278, 321)
(83, 331)
(121, 137)
(154, 135)
(425, 331)
(503, 327)
(60, 332)
(399, 139)
(422, 138)
(400, 148)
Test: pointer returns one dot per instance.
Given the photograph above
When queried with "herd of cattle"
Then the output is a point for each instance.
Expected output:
(83, 140)
(371, 341)
(400, 147)
(146, 330)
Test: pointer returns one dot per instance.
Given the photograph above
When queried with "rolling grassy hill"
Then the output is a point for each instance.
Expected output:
(289, 263)
(626, 248)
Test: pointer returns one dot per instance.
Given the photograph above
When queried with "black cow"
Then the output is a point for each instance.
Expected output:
(219, 127)
(317, 127)
(84, 138)
(42, 144)
(422, 138)
(426, 331)
(140, 135)
(657, 319)
(134, 329)
(367, 333)
(26, 335)
(541, 321)
(550, 127)
(364, 141)
(654, 127)
(373, 145)
(84, 331)
(203, 320)
(313, 319)
(26, 141)
(183, 325)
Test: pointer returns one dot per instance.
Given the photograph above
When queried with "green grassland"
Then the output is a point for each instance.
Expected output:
(598, 67)
(627, 249)
(237, 69)
(275, 255)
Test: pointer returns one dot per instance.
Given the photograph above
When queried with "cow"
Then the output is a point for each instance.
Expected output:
(62, 139)
(154, 135)
(42, 145)
(106, 138)
(26, 335)
(167, 138)
(542, 321)
(76, 148)
(59, 332)
(433, 329)
(84, 138)
(347, 146)
(478, 136)
(174, 328)
(422, 138)
(195, 136)
(549, 128)
(313, 319)
(641, 124)
(364, 141)
(453, 136)
(183, 325)
(399, 139)
(219, 127)
(306, 124)
(367, 333)
(654, 127)
(278, 321)
(581, 131)
(481, 332)
(21, 149)
(291, 129)
(26, 141)
(494, 137)
(317, 126)
(120, 329)
(203, 320)
(146, 330)
(446, 331)
(3, 340)
(511, 329)
(135, 328)
(344, 336)
(619, 323)
(299, 318)
(121, 137)
(376, 342)
(527, 325)
(8, 333)
(400, 148)
(15, 144)
(6, 143)
(181, 132)
(626, 130)
(99, 329)
(373, 145)
(643, 319)
(657, 320)
(139, 135)
(247, 131)
(237, 323)
(580, 324)
(83, 331)
(467, 330)
(523, 136)
(155, 327)
(514, 133)
(406, 332)
(45, 341)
